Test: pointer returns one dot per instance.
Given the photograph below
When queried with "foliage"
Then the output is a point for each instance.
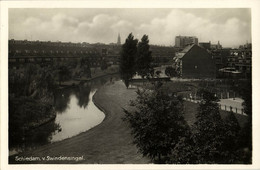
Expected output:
(143, 61)
(246, 91)
(30, 99)
(64, 73)
(28, 75)
(25, 112)
(246, 132)
(157, 124)
(85, 67)
(170, 72)
(31, 81)
(212, 139)
(16, 83)
(127, 59)
(103, 64)
(30, 72)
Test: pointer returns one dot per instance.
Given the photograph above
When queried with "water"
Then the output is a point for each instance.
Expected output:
(75, 113)
(76, 119)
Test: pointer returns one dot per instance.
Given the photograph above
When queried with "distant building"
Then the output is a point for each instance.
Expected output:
(183, 41)
(241, 60)
(118, 40)
(195, 62)
(234, 63)
(221, 57)
(44, 53)
(206, 45)
(216, 46)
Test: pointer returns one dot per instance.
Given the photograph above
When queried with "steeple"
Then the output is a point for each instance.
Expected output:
(118, 39)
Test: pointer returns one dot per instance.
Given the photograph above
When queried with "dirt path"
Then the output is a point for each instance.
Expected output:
(108, 143)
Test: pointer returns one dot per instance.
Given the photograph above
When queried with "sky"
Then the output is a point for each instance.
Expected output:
(230, 26)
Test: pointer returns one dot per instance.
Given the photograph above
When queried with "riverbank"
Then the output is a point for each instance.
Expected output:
(96, 73)
(76, 82)
(108, 142)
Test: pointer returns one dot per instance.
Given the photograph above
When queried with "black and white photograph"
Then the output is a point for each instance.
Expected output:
(131, 85)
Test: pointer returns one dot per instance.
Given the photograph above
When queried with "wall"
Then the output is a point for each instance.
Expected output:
(198, 63)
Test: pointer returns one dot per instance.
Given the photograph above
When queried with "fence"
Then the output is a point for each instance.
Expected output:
(221, 106)
(232, 109)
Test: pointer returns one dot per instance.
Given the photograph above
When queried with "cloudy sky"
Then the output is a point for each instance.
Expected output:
(232, 27)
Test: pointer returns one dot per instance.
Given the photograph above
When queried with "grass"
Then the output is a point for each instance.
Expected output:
(190, 110)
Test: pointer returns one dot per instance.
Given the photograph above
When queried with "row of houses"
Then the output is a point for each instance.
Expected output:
(195, 60)
(48, 43)
(37, 51)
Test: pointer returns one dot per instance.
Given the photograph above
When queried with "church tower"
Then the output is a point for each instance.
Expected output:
(118, 40)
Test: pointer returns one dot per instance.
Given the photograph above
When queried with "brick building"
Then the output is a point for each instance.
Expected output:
(195, 62)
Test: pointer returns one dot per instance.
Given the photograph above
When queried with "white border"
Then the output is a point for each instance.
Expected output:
(255, 10)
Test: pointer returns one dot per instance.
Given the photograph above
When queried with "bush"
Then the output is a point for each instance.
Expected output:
(157, 124)
(170, 72)
(212, 140)
(24, 113)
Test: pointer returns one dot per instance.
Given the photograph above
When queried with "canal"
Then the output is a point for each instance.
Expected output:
(75, 113)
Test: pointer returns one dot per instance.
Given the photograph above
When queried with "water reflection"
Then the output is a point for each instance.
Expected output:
(80, 113)
(77, 119)
(61, 100)
(82, 93)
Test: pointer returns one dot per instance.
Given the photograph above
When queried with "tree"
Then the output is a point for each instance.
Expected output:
(85, 67)
(157, 124)
(246, 131)
(44, 85)
(211, 139)
(208, 130)
(144, 58)
(104, 64)
(231, 143)
(24, 113)
(214, 140)
(30, 73)
(204, 142)
(64, 73)
(127, 59)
